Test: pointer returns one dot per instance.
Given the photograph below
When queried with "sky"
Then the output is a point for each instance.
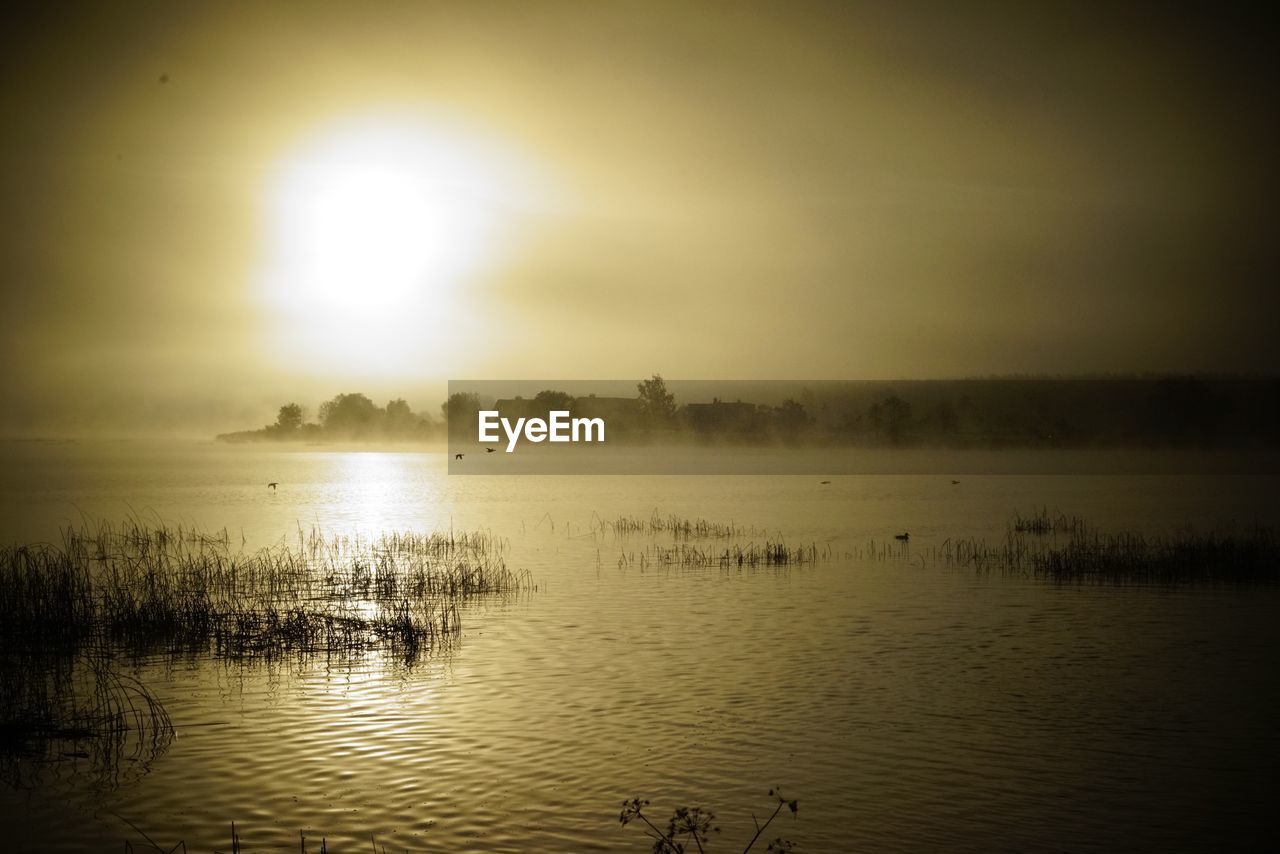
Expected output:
(211, 209)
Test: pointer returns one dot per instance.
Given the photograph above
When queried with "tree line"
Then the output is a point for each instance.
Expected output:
(1168, 411)
(347, 416)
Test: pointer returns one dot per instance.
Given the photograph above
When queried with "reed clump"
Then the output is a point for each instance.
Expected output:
(769, 554)
(237, 846)
(72, 613)
(678, 527)
(147, 588)
(1083, 554)
(1043, 522)
(78, 713)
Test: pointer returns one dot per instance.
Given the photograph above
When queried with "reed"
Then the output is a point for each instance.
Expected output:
(769, 554)
(74, 613)
(677, 527)
(148, 588)
(1042, 522)
(1083, 554)
(76, 718)
(238, 845)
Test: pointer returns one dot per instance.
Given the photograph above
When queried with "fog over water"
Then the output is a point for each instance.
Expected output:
(825, 190)
(936, 349)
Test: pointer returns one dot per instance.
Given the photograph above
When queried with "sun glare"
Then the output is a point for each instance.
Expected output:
(366, 235)
(374, 227)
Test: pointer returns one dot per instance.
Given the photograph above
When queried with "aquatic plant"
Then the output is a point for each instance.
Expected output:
(695, 824)
(678, 527)
(770, 554)
(80, 715)
(1085, 554)
(236, 845)
(75, 613)
(149, 588)
(1041, 522)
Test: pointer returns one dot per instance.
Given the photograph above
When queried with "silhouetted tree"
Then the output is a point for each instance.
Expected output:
(943, 419)
(1181, 411)
(657, 405)
(290, 418)
(547, 400)
(400, 418)
(350, 415)
(791, 419)
(890, 417)
(460, 412)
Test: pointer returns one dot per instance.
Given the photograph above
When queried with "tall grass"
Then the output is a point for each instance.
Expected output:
(62, 713)
(1076, 552)
(678, 527)
(769, 554)
(145, 589)
(71, 612)
(1043, 522)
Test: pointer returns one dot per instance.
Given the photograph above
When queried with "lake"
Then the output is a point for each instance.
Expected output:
(906, 704)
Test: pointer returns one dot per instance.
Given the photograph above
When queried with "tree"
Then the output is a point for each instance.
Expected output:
(548, 400)
(400, 418)
(1181, 411)
(350, 415)
(657, 405)
(290, 418)
(791, 419)
(943, 419)
(890, 417)
(460, 412)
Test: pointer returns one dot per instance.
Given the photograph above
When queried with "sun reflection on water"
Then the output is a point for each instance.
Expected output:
(385, 491)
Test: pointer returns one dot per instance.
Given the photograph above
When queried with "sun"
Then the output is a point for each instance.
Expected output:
(373, 228)
(368, 234)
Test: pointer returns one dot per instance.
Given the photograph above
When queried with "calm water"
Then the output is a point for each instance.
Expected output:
(907, 706)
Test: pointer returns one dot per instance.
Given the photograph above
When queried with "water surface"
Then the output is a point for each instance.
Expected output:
(907, 705)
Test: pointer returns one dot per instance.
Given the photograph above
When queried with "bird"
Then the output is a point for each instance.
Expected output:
(273, 484)
(954, 482)
(824, 481)
(457, 456)
(488, 450)
(903, 537)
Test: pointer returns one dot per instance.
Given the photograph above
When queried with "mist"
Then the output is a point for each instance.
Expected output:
(831, 191)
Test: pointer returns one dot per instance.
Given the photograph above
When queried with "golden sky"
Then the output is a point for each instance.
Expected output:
(598, 189)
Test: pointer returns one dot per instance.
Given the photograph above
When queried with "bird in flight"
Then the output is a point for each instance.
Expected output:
(488, 450)
(457, 456)
(273, 484)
